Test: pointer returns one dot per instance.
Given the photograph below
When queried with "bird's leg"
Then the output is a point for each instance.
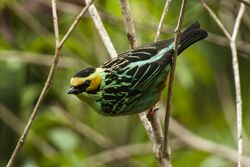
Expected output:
(151, 112)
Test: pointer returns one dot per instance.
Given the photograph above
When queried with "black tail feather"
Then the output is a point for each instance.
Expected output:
(191, 34)
(195, 25)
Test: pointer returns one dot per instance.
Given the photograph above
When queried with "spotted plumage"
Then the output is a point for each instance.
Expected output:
(133, 81)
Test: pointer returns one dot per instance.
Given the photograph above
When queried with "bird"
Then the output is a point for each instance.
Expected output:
(133, 81)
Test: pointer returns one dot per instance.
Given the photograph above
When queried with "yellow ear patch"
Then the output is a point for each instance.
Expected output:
(95, 82)
(76, 81)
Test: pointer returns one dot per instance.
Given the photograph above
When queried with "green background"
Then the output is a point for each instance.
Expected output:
(203, 94)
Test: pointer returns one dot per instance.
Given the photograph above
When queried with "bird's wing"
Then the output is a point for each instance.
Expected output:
(129, 75)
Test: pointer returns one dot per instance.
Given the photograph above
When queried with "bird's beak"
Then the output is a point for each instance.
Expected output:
(74, 91)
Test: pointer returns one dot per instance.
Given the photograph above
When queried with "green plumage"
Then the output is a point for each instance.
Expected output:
(132, 82)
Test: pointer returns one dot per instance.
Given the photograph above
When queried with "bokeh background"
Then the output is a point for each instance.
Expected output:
(67, 132)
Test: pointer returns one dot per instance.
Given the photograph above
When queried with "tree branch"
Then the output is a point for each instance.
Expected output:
(237, 82)
(165, 10)
(235, 64)
(128, 22)
(101, 30)
(166, 148)
(216, 19)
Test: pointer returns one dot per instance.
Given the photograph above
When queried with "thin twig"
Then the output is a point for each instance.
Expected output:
(237, 82)
(165, 10)
(44, 90)
(166, 148)
(216, 19)
(74, 24)
(237, 22)
(101, 30)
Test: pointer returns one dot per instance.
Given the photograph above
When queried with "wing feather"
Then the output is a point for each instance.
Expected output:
(129, 81)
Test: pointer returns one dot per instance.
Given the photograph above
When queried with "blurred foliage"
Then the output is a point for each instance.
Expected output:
(203, 99)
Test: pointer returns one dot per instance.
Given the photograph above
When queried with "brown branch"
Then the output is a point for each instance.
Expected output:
(44, 90)
(166, 147)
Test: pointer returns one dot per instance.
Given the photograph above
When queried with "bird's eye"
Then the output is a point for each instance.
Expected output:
(87, 83)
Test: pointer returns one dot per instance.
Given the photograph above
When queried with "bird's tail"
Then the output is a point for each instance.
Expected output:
(191, 34)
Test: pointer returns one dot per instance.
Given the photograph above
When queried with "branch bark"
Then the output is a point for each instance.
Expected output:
(101, 30)
(166, 147)
(235, 64)
(128, 22)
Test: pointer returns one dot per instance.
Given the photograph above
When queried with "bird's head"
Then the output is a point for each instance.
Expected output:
(87, 81)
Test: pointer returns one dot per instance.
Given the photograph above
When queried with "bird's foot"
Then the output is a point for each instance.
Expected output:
(151, 112)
